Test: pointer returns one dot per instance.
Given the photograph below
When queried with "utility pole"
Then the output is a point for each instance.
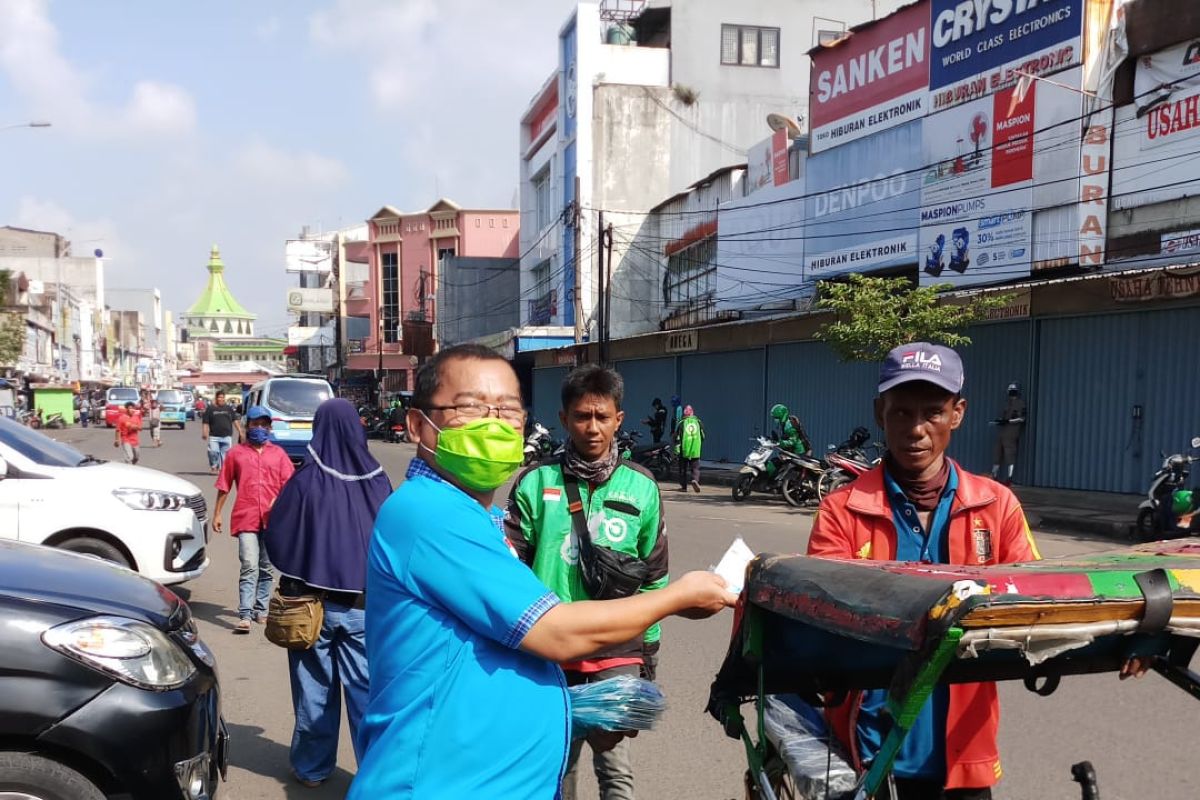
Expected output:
(600, 293)
(608, 244)
(577, 222)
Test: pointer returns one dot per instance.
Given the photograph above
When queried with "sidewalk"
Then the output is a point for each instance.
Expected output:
(1055, 510)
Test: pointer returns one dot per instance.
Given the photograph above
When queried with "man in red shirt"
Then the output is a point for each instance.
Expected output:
(259, 469)
(129, 432)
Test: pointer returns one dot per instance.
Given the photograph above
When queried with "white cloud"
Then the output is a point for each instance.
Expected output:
(57, 90)
(85, 235)
(277, 169)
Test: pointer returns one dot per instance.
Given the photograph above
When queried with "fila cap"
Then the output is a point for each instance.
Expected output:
(922, 361)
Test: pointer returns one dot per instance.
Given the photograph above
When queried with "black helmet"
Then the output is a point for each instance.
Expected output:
(860, 436)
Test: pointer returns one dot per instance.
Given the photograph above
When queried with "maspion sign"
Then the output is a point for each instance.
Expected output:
(875, 78)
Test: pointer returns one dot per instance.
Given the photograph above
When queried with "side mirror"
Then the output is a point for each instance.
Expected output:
(1195, 442)
(829, 448)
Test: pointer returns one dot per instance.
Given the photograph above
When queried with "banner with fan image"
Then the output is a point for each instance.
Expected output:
(977, 190)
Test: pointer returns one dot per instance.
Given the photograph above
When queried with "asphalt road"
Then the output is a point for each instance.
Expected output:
(1139, 734)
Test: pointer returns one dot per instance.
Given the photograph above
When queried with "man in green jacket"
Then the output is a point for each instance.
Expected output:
(623, 512)
(689, 437)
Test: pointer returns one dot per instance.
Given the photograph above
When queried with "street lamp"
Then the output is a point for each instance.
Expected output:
(38, 123)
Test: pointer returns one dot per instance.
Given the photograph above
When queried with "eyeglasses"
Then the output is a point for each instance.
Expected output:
(473, 411)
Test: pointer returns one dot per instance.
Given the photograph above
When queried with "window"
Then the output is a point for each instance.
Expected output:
(749, 46)
(391, 296)
(690, 281)
(543, 198)
(541, 279)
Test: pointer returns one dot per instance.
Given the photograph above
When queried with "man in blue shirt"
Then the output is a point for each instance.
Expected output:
(463, 642)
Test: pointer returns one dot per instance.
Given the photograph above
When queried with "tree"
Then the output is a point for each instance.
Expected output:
(876, 314)
(12, 324)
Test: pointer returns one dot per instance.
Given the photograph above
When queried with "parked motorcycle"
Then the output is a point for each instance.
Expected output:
(54, 420)
(539, 446)
(626, 442)
(1169, 509)
(659, 458)
(801, 483)
(848, 460)
(27, 417)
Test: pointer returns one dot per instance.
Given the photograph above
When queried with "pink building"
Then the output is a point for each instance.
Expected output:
(397, 291)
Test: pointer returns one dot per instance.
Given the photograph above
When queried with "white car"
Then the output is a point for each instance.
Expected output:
(143, 519)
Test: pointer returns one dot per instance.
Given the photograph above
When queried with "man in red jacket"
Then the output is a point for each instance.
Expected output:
(918, 505)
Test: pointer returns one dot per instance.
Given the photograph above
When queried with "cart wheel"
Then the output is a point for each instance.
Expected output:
(741, 489)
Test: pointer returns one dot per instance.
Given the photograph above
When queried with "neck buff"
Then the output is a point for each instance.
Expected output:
(594, 472)
(924, 495)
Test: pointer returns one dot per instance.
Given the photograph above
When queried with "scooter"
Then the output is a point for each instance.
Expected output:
(538, 444)
(626, 442)
(767, 469)
(54, 420)
(800, 484)
(1168, 508)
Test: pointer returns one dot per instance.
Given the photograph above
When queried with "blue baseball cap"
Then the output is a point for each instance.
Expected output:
(257, 412)
(922, 361)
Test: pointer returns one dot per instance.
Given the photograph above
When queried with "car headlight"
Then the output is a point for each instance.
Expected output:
(150, 500)
(130, 651)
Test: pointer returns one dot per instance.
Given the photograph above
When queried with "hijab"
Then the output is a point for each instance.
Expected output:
(320, 526)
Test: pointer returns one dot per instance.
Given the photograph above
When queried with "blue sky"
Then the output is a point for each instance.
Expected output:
(176, 125)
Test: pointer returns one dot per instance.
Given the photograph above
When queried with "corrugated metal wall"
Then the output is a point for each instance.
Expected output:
(726, 390)
(1170, 388)
(831, 398)
(547, 386)
(1086, 389)
(998, 355)
(646, 379)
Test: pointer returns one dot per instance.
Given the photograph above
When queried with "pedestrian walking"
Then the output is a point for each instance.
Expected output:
(217, 429)
(689, 437)
(317, 538)
(463, 641)
(258, 469)
(129, 433)
(619, 501)
(155, 421)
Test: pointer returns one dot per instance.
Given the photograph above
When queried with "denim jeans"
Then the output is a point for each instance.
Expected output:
(254, 581)
(614, 770)
(336, 664)
(218, 446)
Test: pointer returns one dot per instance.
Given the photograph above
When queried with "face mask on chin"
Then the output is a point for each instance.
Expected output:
(480, 455)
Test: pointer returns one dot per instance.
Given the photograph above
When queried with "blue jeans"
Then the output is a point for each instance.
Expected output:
(254, 581)
(337, 661)
(218, 446)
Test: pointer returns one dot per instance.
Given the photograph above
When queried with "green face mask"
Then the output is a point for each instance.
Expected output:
(482, 454)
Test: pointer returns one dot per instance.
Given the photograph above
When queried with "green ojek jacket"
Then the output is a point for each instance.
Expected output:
(691, 436)
(624, 513)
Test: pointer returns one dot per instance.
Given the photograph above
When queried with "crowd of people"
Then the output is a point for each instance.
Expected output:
(437, 602)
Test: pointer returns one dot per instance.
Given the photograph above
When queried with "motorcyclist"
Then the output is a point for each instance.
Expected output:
(792, 437)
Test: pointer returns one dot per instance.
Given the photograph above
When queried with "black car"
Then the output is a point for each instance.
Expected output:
(105, 687)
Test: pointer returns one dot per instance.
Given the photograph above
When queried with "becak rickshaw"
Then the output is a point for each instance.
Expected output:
(809, 630)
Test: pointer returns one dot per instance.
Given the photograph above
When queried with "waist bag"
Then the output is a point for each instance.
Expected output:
(294, 622)
(607, 574)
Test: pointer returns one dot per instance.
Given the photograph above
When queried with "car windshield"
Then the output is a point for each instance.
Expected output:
(297, 398)
(172, 396)
(40, 448)
(122, 396)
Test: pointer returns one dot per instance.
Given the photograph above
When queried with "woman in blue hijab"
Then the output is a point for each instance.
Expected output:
(318, 537)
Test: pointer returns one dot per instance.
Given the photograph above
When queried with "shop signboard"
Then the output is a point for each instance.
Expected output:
(1154, 156)
(977, 47)
(977, 191)
(863, 202)
(874, 79)
(767, 162)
